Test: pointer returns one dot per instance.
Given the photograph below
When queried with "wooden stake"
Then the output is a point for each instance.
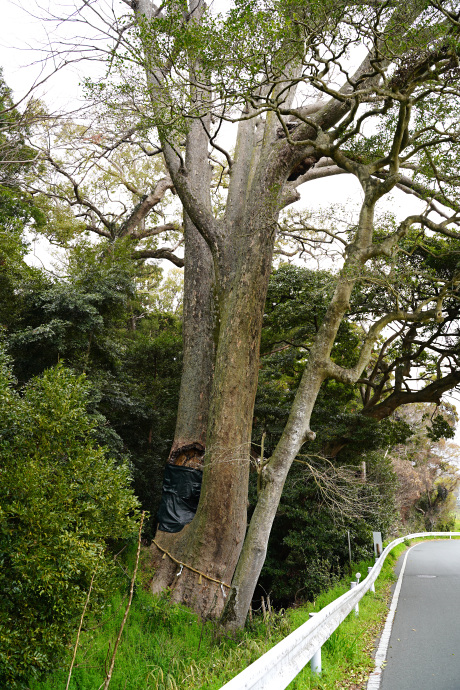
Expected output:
(128, 606)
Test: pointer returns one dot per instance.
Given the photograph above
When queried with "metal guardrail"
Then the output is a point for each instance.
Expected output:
(275, 669)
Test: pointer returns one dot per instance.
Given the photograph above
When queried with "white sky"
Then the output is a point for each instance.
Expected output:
(22, 61)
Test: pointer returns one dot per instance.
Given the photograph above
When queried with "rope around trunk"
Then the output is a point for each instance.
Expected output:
(189, 567)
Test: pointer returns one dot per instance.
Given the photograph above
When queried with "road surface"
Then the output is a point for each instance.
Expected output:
(424, 647)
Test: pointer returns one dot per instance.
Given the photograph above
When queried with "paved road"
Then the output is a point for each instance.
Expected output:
(424, 650)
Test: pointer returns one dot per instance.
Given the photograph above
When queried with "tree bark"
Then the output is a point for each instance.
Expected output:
(199, 339)
(212, 543)
(296, 432)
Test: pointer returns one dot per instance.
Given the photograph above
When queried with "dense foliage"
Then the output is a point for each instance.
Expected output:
(63, 500)
(96, 320)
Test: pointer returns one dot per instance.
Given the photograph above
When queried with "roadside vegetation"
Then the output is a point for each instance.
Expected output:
(166, 647)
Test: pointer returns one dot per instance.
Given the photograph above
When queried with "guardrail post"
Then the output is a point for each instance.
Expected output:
(315, 661)
(372, 587)
(352, 586)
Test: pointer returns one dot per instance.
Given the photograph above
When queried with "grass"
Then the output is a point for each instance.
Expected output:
(166, 647)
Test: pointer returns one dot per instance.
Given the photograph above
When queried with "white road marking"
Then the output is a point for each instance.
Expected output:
(380, 657)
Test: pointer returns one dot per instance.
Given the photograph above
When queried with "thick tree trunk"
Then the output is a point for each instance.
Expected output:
(211, 544)
(199, 338)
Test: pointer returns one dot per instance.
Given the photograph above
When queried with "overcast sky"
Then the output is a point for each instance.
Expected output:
(20, 55)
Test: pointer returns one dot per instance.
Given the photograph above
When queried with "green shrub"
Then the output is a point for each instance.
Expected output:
(61, 499)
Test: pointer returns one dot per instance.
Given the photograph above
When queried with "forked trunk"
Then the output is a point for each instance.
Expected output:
(210, 546)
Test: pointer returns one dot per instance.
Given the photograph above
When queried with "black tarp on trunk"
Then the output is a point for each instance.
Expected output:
(179, 500)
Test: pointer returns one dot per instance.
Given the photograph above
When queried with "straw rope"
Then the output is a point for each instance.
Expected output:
(189, 567)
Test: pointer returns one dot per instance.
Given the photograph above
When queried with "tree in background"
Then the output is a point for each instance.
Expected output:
(16, 157)
(426, 468)
(105, 318)
(17, 210)
(107, 187)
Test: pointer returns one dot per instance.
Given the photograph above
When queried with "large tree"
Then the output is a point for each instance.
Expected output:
(368, 89)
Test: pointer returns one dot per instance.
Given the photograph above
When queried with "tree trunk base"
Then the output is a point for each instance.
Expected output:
(188, 586)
